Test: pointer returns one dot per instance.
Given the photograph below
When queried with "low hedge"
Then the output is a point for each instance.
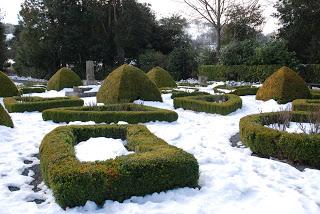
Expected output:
(5, 119)
(238, 90)
(112, 113)
(268, 142)
(207, 103)
(29, 90)
(154, 167)
(306, 105)
(30, 104)
(315, 94)
(187, 94)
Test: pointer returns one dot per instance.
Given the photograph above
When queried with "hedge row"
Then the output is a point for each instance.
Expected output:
(30, 104)
(238, 90)
(154, 167)
(315, 94)
(29, 90)
(112, 113)
(306, 105)
(268, 142)
(187, 94)
(215, 104)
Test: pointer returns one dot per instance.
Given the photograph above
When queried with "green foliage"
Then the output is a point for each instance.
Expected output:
(7, 87)
(3, 47)
(29, 90)
(112, 113)
(244, 91)
(5, 119)
(64, 78)
(30, 104)
(126, 84)
(161, 78)
(154, 167)
(284, 86)
(268, 142)
(306, 105)
(215, 104)
(151, 58)
(187, 94)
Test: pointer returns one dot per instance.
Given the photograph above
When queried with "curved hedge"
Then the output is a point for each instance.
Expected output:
(64, 78)
(154, 167)
(5, 119)
(7, 87)
(187, 94)
(161, 78)
(112, 113)
(127, 84)
(30, 104)
(268, 142)
(305, 105)
(210, 103)
(30, 90)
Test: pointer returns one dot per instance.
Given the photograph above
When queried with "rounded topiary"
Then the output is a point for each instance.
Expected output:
(5, 119)
(284, 86)
(161, 78)
(7, 87)
(126, 84)
(64, 78)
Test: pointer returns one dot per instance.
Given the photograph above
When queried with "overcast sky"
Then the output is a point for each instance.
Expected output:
(10, 9)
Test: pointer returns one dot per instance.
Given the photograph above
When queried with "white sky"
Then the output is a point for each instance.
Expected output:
(10, 8)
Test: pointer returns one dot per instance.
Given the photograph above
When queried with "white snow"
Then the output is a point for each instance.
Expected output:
(99, 149)
(231, 180)
(294, 127)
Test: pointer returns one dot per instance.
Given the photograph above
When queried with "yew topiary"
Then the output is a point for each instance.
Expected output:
(7, 87)
(161, 78)
(284, 86)
(5, 119)
(64, 78)
(126, 84)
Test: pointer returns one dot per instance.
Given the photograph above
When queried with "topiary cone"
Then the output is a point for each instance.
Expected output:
(161, 78)
(64, 78)
(5, 119)
(7, 87)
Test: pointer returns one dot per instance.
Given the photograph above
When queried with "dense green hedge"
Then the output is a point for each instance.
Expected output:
(64, 78)
(238, 90)
(7, 87)
(154, 167)
(268, 142)
(30, 104)
(161, 78)
(210, 103)
(5, 119)
(29, 90)
(187, 94)
(315, 94)
(112, 113)
(306, 105)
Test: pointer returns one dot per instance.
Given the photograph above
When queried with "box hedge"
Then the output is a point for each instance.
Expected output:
(30, 90)
(5, 119)
(187, 94)
(215, 104)
(238, 90)
(111, 113)
(306, 105)
(268, 142)
(126, 84)
(154, 167)
(161, 78)
(7, 87)
(64, 78)
(30, 104)
(284, 86)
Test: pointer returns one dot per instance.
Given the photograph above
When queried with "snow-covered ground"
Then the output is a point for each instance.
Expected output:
(296, 127)
(231, 180)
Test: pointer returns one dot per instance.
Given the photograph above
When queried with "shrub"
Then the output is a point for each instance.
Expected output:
(187, 94)
(216, 104)
(244, 91)
(284, 86)
(29, 90)
(30, 104)
(268, 142)
(161, 78)
(315, 94)
(306, 105)
(112, 113)
(7, 87)
(152, 58)
(64, 78)
(5, 119)
(154, 167)
(126, 84)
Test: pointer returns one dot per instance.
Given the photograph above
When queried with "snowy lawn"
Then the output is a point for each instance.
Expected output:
(231, 180)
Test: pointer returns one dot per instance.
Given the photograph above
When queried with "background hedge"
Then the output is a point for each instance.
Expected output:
(154, 167)
(268, 142)
(29, 90)
(238, 90)
(112, 113)
(187, 94)
(30, 104)
(5, 119)
(306, 105)
(205, 103)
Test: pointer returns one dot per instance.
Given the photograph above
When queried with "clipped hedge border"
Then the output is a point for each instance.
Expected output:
(315, 94)
(204, 104)
(268, 142)
(187, 94)
(154, 167)
(111, 113)
(29, 90)
(245, 91)
(30, 104)
(306, 105)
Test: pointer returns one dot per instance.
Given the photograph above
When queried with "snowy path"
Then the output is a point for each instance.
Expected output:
(232, 180)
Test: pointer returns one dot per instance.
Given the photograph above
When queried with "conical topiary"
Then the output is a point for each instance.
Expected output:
(161, 78)
(5, 119)
(7, 87)
(284, 86)
(64, 78)
(126, 84)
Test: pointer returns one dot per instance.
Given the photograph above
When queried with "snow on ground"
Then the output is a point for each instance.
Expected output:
(101, 148)
(231, 180)
(296, 127)
(18, 78)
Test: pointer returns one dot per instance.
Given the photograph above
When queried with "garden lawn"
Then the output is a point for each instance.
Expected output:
(231, 180)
